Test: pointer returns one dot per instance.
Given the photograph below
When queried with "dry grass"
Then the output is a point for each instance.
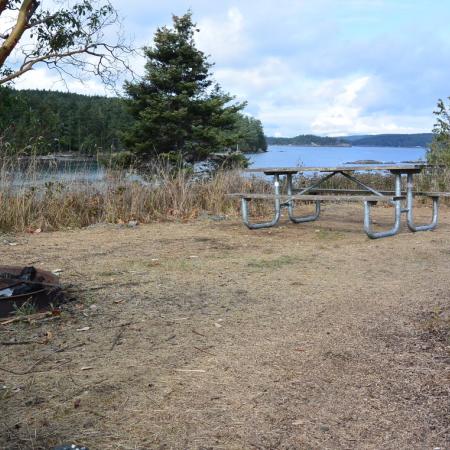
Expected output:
(167, 195)
(208, 335)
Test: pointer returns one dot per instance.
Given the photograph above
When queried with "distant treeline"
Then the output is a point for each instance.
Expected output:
(379, 140)
(307, 139)
(58, 122)
(392, 140)
(49, 121)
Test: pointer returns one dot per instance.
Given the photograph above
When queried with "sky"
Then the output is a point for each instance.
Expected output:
(326, 67)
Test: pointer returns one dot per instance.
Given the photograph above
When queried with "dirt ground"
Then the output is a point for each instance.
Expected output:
(206, 335)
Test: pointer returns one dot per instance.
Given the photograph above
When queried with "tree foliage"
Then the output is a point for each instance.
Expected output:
(439, 152)
(251, 135)
(69, 39)
(51, 122)
(177, 106)
(392, 140)
(306, 140)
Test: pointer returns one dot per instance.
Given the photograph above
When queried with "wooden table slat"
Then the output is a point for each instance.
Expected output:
(300, 169)
(306, 197)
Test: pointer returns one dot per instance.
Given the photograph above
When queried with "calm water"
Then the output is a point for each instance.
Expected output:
(287, 156)
(62, 171)
(276, 156)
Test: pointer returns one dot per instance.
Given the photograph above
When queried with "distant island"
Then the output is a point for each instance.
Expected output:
(309, 140)
(377, 140)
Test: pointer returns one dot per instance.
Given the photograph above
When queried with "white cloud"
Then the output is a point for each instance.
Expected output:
(309, 66)
(40, 78)
(224, 37)
(289, 103)
(344, 111)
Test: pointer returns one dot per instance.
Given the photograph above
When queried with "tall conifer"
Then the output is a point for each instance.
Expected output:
(177, 106)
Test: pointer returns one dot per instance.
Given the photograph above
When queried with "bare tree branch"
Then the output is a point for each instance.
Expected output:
(69, 40)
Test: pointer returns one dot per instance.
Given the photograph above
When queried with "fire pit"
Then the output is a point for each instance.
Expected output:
(20, 285)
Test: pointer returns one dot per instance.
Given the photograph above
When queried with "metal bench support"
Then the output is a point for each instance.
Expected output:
(276, 217)
(290, 205)
(397, 214)
(396, 201)
(410, 204)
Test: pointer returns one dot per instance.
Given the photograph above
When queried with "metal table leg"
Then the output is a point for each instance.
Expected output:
(276, 217)
(410, 207)
(397, 214)
(298, 219)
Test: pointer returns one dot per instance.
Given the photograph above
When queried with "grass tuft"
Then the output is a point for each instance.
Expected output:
(276, 263)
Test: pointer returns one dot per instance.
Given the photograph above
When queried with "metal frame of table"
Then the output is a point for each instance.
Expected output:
(397, 170)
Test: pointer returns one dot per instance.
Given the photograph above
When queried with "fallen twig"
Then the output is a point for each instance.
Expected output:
(120, 325)
(39, 361)
(119, 334)
(30, 317)
(116, 339)
(197, 333)
(204, 351)
(21, 342)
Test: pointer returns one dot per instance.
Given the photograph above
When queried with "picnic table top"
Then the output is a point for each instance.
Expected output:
(417, 167)
(313, 198)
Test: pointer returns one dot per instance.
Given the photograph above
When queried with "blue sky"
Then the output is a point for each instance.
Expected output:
(328, 67)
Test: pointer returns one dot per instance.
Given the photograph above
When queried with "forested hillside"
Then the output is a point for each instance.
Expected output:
(377, 140)
(58, 122)
(392, 140)
(52, 121)
(305, 140)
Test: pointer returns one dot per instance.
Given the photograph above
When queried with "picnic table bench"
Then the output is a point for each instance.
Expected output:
(401, 200)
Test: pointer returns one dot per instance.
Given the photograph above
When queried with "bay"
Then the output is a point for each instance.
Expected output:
(288, 156)
(277, 156)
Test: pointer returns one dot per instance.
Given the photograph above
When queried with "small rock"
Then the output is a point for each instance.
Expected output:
(324, 428)
(70, 447)
(218, 218)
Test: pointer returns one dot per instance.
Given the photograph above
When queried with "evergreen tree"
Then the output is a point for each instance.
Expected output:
(177, 107)
(439, 152)
(252, 137)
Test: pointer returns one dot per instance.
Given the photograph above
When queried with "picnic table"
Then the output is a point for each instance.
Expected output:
(401, 200)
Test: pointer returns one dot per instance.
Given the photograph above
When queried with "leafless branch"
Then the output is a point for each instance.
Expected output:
(67, 40)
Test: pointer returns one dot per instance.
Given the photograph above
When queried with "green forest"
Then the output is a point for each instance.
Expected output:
(57, 122)
(378, 140)
(392, 140)
(307, 140)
